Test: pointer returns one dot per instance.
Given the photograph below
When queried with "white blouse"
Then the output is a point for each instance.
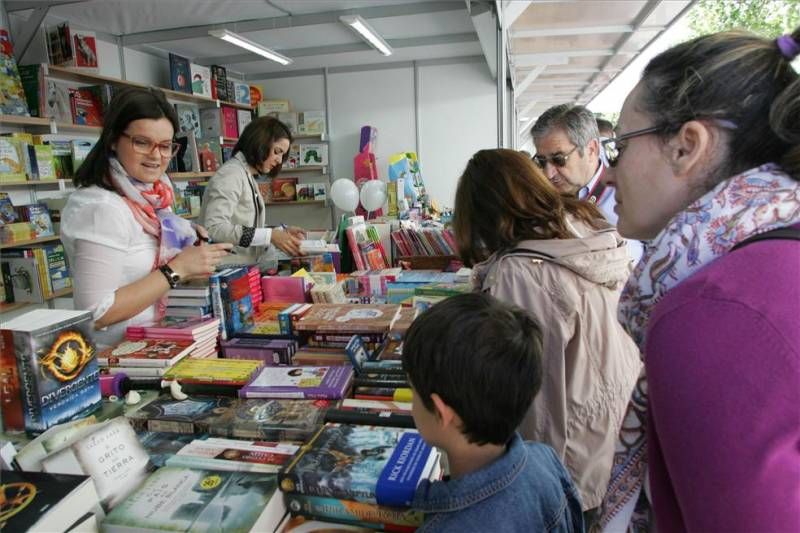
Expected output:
(107, 249)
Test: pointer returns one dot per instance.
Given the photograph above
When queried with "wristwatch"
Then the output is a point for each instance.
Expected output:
(172, 277)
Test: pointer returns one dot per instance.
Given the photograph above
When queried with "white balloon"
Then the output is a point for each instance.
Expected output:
(373, 195)
(344, 194)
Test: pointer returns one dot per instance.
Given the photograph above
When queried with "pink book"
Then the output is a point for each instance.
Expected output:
(173, 328)
(283, 289)
(230, 124)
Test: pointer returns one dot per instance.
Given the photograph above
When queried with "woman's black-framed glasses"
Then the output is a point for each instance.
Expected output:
(611, 149)
(559, 160)
(144, 146)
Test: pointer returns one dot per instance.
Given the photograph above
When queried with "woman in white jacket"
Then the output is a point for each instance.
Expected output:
(558, 258)
(233, 210)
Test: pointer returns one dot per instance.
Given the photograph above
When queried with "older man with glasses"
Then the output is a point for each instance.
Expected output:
(569, 152)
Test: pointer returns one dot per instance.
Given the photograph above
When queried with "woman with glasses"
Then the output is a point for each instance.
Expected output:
(126, 248)
(706, 168)
(559, 259)
(233, 209)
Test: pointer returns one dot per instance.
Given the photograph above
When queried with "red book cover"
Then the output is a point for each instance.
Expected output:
(86, 106)
(230, 124)
(284, 189)
(85, 47)
(10, 398)
(146, 353)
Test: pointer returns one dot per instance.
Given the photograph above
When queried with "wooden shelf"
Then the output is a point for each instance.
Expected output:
(28, 183)
(78, 128)
(295, 204)
(24, 121)
(287, 171)
(20, 244)
(237, 106)
(8, 307)
(182, 176)
(319, 136)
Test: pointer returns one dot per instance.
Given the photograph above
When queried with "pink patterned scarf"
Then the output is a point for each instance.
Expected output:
(756, 201)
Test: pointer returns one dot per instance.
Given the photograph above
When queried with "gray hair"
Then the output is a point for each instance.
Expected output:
(577, 122)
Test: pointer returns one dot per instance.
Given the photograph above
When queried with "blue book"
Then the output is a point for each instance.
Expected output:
(371, 464)
(57, 365)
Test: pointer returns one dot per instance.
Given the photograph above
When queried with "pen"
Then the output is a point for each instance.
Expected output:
(209, 241)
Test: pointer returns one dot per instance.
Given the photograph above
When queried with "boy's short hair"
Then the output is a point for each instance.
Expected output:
(482, 357)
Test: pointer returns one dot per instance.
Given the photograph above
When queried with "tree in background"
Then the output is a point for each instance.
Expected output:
(768, 18)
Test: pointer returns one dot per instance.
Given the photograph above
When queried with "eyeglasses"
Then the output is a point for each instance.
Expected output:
(144, 146)
(559, 160)
(611, 149)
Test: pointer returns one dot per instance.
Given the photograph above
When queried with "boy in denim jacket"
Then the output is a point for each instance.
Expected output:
(474, 365)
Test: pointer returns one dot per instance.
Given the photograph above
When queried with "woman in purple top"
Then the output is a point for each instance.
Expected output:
(707, 157)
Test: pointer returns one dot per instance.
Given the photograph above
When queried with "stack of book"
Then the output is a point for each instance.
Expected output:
(231, 299)
(191, 299)
(361, 475)
(203, 331)
(145, 358)
(300, 382)
(369, 286)
(213, 376)
(271, 352)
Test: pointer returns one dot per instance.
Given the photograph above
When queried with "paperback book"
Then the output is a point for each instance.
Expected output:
(273, 420)
(325, 382)
(234, 455)
(179, 416)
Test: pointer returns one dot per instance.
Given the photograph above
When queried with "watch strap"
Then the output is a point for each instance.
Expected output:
(172, 277)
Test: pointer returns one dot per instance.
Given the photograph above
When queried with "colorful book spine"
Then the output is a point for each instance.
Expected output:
(368, 515)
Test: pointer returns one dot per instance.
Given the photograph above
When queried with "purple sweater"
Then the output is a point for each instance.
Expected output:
(723, 372)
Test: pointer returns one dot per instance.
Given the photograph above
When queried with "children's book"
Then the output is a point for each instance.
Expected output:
(243, 118)
(180, 74)
(174, 328)
(168, 415)
(230, 122)
(39, 217)
(182, 500)
(270, 420)
(325, 382)
(23, 279)
(86, 106)
(146, 352)
(370, 464)
(313, 154)
(44, 161)
(12, 165)
(266, 107)
(57, 366)
(80, 150)
(242, 93)
(373, 318)
(284, 189)
(310, 509)
(256, 95)
(201, 80)
(57, 101)
(311, 123)
(289, 119)
(189, 118)
(12, 95)
(230, 372)
(38, 501)
(219, 83)
(234, 455)
(210, 153)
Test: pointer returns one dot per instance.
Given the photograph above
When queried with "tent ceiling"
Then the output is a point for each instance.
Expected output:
(564, 51)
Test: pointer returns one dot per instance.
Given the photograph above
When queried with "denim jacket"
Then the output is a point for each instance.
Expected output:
(526, 490)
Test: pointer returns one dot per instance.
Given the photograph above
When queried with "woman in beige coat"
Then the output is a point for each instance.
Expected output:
(559, 259)
(233, 210)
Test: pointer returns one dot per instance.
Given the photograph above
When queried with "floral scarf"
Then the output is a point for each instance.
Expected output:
(151, 206)
(754, 202)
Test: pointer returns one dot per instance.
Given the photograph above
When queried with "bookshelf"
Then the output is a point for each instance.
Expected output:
(184, 176)
(319, 169)
(20, 244)
(30, 183)
(8, 307)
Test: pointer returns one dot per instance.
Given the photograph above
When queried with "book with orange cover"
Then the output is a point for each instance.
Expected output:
(364, 318)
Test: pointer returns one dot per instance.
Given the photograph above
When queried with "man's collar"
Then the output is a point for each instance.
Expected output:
(584, 191)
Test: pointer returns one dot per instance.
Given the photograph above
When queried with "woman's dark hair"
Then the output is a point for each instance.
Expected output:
(127, 105)
(503, 198)
(734, 76)
(256, 141)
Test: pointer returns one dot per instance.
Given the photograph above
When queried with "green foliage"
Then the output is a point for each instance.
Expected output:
(768, 18)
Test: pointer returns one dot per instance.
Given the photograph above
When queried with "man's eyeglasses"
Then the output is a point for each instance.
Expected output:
(144, 146)
(559, 160)
(611, 149)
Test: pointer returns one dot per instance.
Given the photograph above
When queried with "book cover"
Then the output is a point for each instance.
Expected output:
(289, 118)
(38, 501)
(265, 107)
(311, 123)
(86, 106)
(80, 149)
(273, 420)
(256, 95)
(12, 95)
(12, 167)
(8, 214)
(146, 352)
(168, 415)
(231, 372)
(362, 514)
(372, 318)
(380, 465)
(173, 328)
(243, 118)
(189, 118)
(57, 366)
(284, 189)
(84, 44)
(219, 83)
(111, 454)
(242, 93)
(271, 352)
(23, 275)
(210, 154)
(13, 419)
(44, 161)
(325, 382)
(160, 446)
(59, 45)
(182, 499)
(201, 80)
(234, 455)
(180, 76)
(57, 101)
(230, 123)
(368, 417)
(211, 121)
(313, 154)
(236, 300)
(39, 217)
(305, 192)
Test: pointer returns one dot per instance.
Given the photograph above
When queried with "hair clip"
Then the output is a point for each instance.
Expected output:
(788, 46)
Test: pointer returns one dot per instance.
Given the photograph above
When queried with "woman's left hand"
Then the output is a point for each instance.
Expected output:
(202, 233)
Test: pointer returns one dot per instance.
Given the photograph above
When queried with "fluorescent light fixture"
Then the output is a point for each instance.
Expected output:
(247, 44)
(360, 26)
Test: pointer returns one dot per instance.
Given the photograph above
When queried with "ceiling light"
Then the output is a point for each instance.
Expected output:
(360, 26)
(247, 44)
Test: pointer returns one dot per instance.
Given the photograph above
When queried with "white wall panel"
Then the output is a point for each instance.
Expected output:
(458, 116)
